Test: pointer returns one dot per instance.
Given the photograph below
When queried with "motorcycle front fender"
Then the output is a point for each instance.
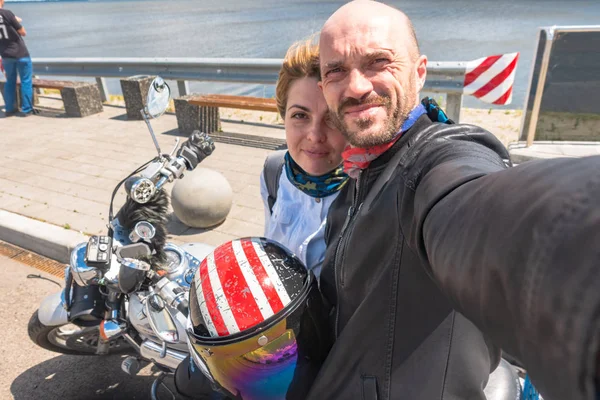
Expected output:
(52, 311)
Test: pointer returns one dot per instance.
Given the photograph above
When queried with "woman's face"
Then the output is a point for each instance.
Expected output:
(313, 142)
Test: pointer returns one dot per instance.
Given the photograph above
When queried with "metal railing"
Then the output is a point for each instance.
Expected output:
(442, 77)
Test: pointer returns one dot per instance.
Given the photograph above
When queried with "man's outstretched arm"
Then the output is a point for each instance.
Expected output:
(518, 252)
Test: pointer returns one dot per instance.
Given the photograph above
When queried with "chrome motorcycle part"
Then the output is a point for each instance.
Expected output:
(111, 277)
(160, 319)
(132, 342)
(142, 190)
(177, 140)
(182, 263)
(152, 170)
(157, 101)
(151, 351)
(137, 316)
(131, 366)
(159, 95)
(136, 264)
(83, 274)
(177, 264)
(173, 170)
(143, 230)
(172, 293)
(174, 259)
(111, 328)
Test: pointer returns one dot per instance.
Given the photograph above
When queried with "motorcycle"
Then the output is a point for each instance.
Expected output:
(126, 291)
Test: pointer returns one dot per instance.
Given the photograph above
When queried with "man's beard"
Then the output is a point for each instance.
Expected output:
(396, 115)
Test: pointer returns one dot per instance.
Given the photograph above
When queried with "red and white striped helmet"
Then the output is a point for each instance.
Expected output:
(257, 318)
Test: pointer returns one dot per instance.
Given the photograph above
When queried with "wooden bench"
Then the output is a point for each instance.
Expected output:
(201, 112)
(241, 102)
(80, 99)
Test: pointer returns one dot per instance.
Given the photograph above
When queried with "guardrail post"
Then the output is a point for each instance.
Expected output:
(104, 96)
(453, 106)
(183, 87)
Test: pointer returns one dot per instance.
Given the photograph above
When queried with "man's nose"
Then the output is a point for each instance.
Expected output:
(358, 85)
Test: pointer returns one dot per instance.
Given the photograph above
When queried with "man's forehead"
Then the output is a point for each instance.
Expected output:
(347, 38)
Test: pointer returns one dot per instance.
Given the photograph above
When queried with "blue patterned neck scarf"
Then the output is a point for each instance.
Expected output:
(315, 186)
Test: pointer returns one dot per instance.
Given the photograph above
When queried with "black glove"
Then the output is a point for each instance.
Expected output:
(195, 149)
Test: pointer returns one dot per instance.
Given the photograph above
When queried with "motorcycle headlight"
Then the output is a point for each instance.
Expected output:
(83, 274)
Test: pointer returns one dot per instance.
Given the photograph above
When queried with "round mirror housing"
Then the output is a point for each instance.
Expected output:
(159, 95)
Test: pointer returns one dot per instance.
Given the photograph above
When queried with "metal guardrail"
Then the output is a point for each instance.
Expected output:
(442, 77)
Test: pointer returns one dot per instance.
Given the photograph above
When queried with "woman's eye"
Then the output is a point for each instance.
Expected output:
(299, 115)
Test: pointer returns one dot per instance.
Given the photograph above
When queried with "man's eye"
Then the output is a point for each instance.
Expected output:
(380, 61)
(333, 71)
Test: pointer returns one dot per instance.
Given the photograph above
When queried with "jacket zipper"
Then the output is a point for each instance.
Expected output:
(338, 253)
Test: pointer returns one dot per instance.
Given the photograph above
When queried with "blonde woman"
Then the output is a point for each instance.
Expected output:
(299, 185)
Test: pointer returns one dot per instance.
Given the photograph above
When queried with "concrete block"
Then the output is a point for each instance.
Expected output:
(191, 118)
(135, 91)
(81, 99)
(202, 199)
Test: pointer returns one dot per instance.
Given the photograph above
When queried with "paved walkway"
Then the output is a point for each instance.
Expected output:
(62, 171)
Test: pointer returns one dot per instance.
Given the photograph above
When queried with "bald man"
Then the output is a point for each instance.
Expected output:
(439, 254)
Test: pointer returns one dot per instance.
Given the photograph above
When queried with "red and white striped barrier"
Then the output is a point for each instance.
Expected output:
(491, 79)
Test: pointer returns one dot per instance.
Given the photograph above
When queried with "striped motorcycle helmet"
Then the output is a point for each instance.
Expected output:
(257, 323)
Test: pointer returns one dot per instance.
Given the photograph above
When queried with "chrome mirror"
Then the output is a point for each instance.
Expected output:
(160, 319)
(157, 101)
(159, 95)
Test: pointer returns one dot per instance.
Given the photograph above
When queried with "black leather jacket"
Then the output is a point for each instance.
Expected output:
(455, 232)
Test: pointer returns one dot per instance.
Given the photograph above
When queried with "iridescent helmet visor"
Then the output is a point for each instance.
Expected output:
(277, 359)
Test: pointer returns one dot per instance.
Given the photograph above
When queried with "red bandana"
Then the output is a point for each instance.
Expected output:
(357, 158)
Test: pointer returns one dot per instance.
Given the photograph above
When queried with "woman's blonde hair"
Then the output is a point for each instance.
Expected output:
(301, 61)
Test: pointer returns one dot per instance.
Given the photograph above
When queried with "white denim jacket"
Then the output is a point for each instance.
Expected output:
(298, 221)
